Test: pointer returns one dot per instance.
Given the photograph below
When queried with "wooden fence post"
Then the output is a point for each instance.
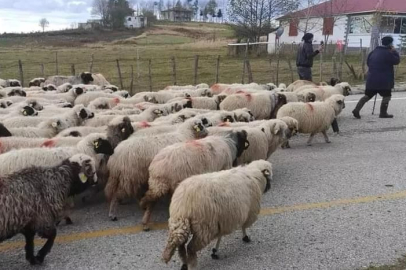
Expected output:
(174, 70)
(291, 70)
(243, 70)
(277, 68)
(250, 78)
(334, 73)
(321, 66)
(340, 68)
(270, 70)
(363, 63)
(196, 69)
(73, 71)
(91, 64)
(42, 70)
(20, 69)
(119, 74)
(218, 69)
(150, 74)
(132, 80)
(56, 63)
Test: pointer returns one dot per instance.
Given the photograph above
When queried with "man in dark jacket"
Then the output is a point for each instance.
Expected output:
(304, 58)
(381, 76)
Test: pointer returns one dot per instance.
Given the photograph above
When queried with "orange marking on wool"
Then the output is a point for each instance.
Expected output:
(248, 96)
(215, 87)
(145, 124)
(48, 143)
(194, 143)
(310, 106)
(139, 107)
(116, 100)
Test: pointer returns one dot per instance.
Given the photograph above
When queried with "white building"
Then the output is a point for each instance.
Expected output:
(135, 22)
(347, 22)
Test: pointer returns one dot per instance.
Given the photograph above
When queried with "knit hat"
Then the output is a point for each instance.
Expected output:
(386, 41)
(307, 36)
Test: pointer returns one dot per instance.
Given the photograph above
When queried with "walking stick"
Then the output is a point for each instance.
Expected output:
(373, 110)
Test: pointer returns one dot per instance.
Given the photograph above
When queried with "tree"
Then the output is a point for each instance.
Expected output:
(117, 11)
(195, 7)
(100, 8)
(43, 23)
(254, 18)
(220, 15)
(211, 8)
(73, 25)
(149, 14)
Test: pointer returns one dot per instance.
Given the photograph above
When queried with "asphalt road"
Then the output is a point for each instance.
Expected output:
(331, 206)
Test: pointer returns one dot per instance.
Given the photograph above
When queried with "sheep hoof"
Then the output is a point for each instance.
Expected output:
(145, 228)
(113, 218)
(184, 267)
(246, 239)
(309, 144)
(328, 141)
(214, 256)
(33, 261)
(68, 221)
(40, 259)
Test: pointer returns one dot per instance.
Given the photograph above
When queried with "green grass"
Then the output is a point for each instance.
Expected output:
(162, 42)
(399, 265)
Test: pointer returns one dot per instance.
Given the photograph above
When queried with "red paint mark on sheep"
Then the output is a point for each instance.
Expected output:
(223, 124)
(248, 96)
(116, 100)
(310, 106)
(144, 124)
(48, 143)
(194, 143)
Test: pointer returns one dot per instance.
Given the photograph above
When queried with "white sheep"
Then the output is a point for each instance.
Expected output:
(12, 143)
(92, 145)
(36, 82)
(314, 117)
(84, 77)
(176, 162)
(46, 129)
(128, 167)
(63, 88)
(210, 206)
(69, 96)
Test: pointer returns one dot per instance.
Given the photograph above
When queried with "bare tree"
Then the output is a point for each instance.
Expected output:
(254, 18)
(100, 8)
(43, 23)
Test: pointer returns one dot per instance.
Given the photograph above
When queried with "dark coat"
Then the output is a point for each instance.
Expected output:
(381, 74)
(305, 55)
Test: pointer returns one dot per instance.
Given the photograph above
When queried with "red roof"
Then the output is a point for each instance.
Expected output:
(340, 7)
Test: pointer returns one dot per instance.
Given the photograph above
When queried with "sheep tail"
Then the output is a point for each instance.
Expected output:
(179, 231)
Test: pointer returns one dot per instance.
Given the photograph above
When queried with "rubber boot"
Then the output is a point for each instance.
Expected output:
(359, 106)
(384, 108)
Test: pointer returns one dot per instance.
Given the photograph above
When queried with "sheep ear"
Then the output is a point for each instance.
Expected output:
(24, 112)
(83, 178)
(197, 128)
(123, 130)
(96, 144)
(263, 130)
(276, 131)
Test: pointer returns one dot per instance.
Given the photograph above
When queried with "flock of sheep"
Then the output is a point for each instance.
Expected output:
(206, 146)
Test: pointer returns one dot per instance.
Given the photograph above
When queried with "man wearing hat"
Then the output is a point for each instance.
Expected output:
(304, 58)
(381, 76)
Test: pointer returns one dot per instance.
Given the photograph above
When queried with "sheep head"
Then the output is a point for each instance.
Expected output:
(84, 172)
(86, 77)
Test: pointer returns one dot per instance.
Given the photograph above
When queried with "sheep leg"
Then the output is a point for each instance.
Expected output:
(245, 238)
(29, 246)
(214, 256)
(183, 256)
(309, 142)
(326, 137)
(113, 208)
(50, 236)
(147, 216)
(195, 245)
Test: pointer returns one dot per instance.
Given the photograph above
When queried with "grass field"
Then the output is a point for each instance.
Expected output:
(158, 43)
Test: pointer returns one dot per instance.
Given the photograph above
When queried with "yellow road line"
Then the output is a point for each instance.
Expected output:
(161, 226)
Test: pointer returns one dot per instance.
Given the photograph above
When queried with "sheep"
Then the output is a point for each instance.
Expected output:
(91, 145)
(84, 77)
(324, 92)
(243, 115)
(210, 206)
(10, 83)
(128, 167)
(262, 105)
(73, 117)
(179, 161)
(299, 83)
(63, 88)
(12, 143)
(201, 92)
(5, 103)
(81, 131)
(36, 82)
(4, 132)
(12, 91)
(69, 96)
(21, 112)
(221, 88)
(32, 102)
(187, 87)
(26, 210)
(314, 117)
(148, 115)
(208, 103)
(86, 98)
(46, 129)
(293, 126)
(257, 139)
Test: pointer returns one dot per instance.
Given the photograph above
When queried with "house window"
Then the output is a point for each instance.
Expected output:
(328, 26)
(293, 28)
(129, 19)
(393, 25)
(361, 24)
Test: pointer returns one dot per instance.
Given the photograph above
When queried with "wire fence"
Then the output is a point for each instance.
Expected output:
(141, 74)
